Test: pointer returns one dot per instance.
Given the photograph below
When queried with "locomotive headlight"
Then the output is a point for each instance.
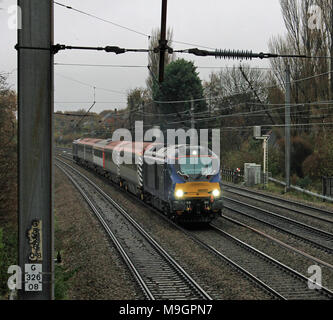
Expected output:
(179, 193)
(216, 193)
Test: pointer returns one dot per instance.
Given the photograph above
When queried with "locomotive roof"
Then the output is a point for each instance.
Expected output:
(152, 149)
(102, 144)
(128, 146)
(88, 141)
(178, 151)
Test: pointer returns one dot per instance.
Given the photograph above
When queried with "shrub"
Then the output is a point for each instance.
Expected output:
(294, 179)
(312, 165)
(300, 151)
(320, 163)
(274, 162)
(304, 183)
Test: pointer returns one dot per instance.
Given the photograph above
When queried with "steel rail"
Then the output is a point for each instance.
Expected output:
(278, 266)
(320, 234)
(188, 280)
(279, 242)
(276, 215)
(122, 252)
(220, 255)
(291, 202)
(265, 286)
(279, 205)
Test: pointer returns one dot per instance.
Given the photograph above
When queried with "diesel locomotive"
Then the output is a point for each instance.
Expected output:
(182, 181)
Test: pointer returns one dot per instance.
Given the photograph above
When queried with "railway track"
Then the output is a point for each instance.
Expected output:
(293, 206)
(277, 279)
(317, 238)
(288, 283)
(279, 242)
(157, 273)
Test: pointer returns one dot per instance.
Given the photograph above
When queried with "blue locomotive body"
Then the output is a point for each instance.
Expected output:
(181, 181)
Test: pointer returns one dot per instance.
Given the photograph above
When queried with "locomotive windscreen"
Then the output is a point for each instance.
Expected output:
(196, 166)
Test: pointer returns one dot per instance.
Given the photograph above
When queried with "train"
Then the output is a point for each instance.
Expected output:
(182, 181)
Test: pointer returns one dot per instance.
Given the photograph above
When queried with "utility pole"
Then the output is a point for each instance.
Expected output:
(265, 147)
(192, 137)
(287, 129)
(143, 112)
(163, 42)
(192, 115)
(130, 117)
(35, 132)
(258, 136)
(210, 101)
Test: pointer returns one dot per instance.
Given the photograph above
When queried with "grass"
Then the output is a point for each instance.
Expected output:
(292, 194)
(62, 282)
(62, 276)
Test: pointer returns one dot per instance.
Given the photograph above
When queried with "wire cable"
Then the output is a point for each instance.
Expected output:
(101, 19)
(99, 65)
(236, 114)
(90, 85)
(124, 27)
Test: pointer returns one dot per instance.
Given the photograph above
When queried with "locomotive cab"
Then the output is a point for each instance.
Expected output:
(196, 192)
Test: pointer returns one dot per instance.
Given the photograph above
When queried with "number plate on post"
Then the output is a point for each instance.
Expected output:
(33, 277)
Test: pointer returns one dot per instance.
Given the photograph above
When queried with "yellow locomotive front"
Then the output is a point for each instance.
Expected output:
(196, 185)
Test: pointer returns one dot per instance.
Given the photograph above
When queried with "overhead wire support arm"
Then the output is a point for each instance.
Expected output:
(109, 49)
(163, 48)
(58, 47)
(236, 54)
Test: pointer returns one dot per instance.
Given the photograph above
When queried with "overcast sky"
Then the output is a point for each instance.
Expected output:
(225, 24)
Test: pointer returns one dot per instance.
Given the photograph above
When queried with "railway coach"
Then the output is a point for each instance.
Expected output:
(182, 181)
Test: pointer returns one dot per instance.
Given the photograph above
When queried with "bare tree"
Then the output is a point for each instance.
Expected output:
(238, 85)
(300, 39)
(237, 90)
(137, 100)
(153, 58)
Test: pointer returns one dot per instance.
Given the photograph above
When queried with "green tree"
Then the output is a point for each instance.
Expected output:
(181, 83)
(8, 179)
(8, 151)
